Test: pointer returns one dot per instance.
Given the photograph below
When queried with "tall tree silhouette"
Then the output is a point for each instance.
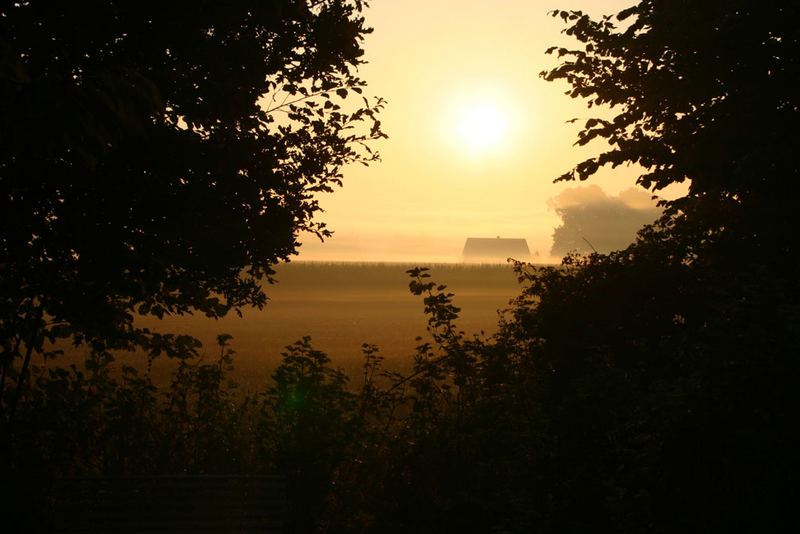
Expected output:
(158, 158)
(666, 369)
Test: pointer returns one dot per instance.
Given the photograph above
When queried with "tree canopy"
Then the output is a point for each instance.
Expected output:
(665, 370)
(704, 91)
(159, 158)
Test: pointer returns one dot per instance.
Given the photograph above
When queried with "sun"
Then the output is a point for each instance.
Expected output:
(479, 122)
(482, 126)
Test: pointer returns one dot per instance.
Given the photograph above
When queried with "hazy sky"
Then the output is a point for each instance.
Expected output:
(476, 137)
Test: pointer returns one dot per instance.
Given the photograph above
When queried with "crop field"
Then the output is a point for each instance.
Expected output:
(340, 306)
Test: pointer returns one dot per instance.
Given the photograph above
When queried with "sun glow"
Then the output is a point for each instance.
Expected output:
(477, 122)
(483, 126)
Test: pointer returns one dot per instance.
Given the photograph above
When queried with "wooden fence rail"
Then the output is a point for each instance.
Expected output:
(162, 504)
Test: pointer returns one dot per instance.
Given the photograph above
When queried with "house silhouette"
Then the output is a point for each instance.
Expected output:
(495, 248)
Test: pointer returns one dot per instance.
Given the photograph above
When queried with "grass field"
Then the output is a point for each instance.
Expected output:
(341, 306)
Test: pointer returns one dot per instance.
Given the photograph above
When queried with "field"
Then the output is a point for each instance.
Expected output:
(341, 306)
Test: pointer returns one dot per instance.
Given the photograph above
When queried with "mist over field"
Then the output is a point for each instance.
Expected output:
(412, 249)
(340, 305)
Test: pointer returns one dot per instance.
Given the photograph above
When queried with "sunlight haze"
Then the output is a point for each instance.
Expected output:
(476, 137)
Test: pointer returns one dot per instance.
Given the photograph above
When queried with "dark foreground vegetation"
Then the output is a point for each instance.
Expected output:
(651, 389)
(583, 412)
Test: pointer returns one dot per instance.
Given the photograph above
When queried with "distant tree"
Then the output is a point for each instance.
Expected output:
(597, 222)
(158, 158)
(598, 228)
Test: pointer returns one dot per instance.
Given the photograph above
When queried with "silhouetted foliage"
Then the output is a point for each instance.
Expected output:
(647, 389)
(312, 420)
(665, 370)
(160, 158)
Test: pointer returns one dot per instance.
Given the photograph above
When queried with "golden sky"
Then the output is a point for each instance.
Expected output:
(476, 137)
